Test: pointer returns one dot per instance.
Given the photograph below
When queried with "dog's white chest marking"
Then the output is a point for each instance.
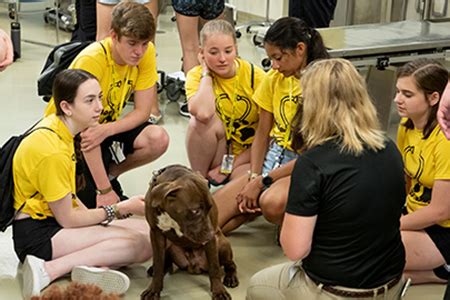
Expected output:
(165, 223)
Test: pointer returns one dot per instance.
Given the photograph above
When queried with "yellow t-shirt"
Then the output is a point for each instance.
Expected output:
(425, 161)
(234, 101)
(117, 81)
(44, 168)
(279, 95)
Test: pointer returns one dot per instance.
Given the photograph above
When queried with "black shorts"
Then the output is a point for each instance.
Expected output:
(88, 195)
(441, 238)
(33, 237)
(206, 9)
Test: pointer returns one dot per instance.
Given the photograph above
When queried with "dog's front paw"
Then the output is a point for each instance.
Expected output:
(222, 295)
(231, 280)
(149, 294)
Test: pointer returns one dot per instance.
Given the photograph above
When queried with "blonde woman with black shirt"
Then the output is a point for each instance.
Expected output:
(342, 222)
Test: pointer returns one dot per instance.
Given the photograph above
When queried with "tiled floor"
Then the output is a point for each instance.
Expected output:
(253, 244)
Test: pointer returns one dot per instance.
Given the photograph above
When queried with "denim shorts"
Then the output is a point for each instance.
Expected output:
(114, 2)
(206, 9)
(276, 156)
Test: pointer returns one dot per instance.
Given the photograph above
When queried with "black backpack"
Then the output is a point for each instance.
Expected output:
(59, 59)
(7, 151)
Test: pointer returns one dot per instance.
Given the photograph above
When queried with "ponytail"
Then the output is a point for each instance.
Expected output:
(287, 32)
(316, 47)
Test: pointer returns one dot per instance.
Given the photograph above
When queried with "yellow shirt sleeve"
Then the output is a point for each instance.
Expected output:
(84, 62)
(53, 177)
(192, 83)
(148, 75)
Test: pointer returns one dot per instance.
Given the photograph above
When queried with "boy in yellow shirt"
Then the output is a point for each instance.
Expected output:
(125, 64)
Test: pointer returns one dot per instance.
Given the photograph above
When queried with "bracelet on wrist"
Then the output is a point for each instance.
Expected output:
(252, 175)
(206, 74)
(104, 191)
(110, 215)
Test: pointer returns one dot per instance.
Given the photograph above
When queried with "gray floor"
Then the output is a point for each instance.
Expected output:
(253, 244)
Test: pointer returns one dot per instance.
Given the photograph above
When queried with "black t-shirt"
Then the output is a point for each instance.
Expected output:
(358, 202)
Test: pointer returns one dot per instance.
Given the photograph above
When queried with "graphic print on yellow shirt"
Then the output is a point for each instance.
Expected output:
(234, 103)
(280, 96)
(119, 92)
(425, 160)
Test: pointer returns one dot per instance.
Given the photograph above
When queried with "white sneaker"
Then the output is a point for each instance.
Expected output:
(109, 281)
(154, 119)
(35, 278)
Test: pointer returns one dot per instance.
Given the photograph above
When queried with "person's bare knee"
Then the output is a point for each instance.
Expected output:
(138, 244)
(153, 138)
(273, 205)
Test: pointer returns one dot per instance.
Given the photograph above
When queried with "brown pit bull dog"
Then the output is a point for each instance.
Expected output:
(181, 211)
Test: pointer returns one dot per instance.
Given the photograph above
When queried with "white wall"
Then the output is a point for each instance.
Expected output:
(277, 9)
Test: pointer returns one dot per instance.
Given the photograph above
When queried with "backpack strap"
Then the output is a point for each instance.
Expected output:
(28, 132)
(40, 127)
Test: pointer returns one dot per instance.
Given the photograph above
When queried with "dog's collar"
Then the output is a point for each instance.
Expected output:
(157, 173)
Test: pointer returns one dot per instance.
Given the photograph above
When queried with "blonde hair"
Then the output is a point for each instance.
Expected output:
(336, 106)
(217, 26)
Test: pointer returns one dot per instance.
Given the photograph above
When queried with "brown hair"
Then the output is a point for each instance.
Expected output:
(430, 76)
(133, 20)
(66, 84)
(65, 88)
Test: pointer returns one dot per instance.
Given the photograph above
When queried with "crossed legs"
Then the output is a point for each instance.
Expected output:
(121, 243)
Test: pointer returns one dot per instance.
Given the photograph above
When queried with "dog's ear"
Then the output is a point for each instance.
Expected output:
(160, 192)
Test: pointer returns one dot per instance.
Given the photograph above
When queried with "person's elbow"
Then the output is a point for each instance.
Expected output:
(295, 253)
(441, 214)
(201, 115)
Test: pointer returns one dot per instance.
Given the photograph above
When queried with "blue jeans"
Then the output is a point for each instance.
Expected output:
(277, 156)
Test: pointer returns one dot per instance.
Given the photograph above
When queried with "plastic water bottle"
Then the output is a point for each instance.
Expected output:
(15, 38)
